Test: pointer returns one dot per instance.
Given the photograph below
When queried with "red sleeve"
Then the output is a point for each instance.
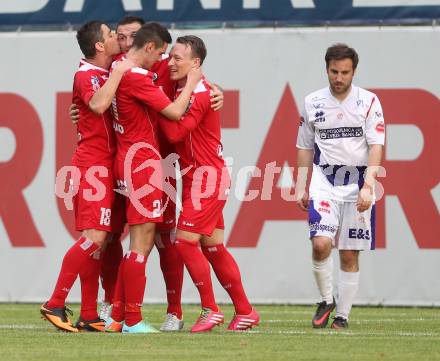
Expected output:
(85, 86)
(143, 89)
(176, 131)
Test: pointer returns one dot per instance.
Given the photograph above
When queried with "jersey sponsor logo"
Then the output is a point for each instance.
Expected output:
(324, 207)
(343, 132)
(355, 233)
(118, 127)
(318, 105)
(319, 116)
(316, 227)
(380, 127)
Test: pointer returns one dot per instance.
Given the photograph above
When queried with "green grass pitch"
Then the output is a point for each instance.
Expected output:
(285, 333)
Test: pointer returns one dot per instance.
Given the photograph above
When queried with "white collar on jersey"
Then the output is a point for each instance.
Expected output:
(199, 88)
(84, 65)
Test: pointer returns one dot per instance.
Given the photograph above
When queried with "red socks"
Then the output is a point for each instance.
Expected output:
(74, 260)
(111, 259)
(228, 273)
(172, 268)
(89, 277)
(118, 309)
(198, 268)
(134, 286)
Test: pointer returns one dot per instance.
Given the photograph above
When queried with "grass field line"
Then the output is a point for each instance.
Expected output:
(328, 332)
(23, 327)
(346, 333)
(358, 320)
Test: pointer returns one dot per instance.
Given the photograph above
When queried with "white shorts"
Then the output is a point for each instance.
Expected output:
(343, 224)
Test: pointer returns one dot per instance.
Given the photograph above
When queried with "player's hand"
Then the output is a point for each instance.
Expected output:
(303, 202)
(217, 97)
(74, 113)
(194, 76)
(365, 198)
(124, 65)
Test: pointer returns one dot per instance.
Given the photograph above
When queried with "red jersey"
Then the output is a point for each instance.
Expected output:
(162, 79)
(137, 98)
(162, 76)
(197, 134)
(96, 142)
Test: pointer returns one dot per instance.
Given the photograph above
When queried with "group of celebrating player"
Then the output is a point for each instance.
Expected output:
(127, 126)
(151, 105)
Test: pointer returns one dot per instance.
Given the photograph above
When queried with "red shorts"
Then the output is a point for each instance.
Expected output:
(202, 215)
(97, 209)
(140, 208)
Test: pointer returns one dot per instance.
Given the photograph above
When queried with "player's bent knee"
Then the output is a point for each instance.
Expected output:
(322, 247)
(97, 236)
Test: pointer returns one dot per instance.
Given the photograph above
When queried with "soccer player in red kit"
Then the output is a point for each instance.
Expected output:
(94, 158)
(137, 99)
(170, 262)
(205, 185)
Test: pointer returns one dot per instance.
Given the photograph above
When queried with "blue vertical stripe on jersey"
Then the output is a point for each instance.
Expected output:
(373, 226)
(314, 217)
(317, 155)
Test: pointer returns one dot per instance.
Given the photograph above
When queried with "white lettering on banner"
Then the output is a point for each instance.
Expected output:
(72, 6)
(247, 4)
(251, 4)
(384, 3)
(306, 4)
(77, 5)
(165, 5)
(210, 4)
(20, 7)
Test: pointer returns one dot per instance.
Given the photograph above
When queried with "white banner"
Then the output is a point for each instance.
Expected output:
(265, 73)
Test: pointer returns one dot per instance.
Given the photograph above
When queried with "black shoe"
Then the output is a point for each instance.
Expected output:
(339, 323)
(96, 325)
(322, 314)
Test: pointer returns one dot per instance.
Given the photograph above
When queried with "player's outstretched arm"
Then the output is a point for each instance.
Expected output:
(365, 197)
(102, 99)
(175, 110)
(304, 168)
(217, 97)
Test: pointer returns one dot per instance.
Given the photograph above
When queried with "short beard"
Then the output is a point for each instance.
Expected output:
(344, 90)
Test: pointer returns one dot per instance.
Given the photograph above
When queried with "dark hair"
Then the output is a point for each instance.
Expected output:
(130, 19)
(152, 32)
(341, 51)
(198, 48)
(88, 35)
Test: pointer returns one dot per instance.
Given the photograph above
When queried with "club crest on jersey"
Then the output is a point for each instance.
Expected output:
(319, 117)
(95, 82)
(324, 207)
(191, 101)
(155, 76)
